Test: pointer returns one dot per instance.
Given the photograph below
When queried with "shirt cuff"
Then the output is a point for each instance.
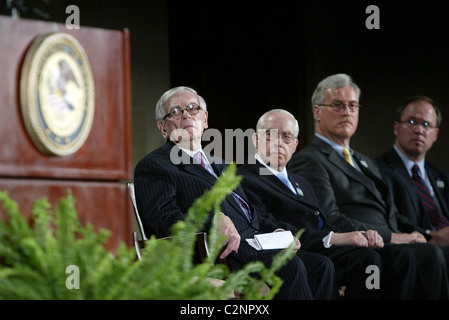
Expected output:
(327, 240)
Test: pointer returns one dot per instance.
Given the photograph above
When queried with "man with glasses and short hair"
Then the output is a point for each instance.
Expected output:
(349, 186)
(289, 200)
(420, 190)
(166, 188)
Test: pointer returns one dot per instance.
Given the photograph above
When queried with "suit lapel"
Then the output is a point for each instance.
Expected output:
(339, 162)
(185, 162)
(200, 172)
(366, 177)
(439, 188)
(279, 186)
(399, 169)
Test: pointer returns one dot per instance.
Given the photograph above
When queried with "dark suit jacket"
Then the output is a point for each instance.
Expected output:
(404, 190)
(275, 201)
(352, 200)
(165, 191)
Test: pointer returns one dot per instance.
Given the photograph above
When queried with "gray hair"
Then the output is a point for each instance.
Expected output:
(333, 82)
(160, 106)
(261, 123)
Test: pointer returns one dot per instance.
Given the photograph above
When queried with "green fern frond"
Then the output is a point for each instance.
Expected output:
(34, 256)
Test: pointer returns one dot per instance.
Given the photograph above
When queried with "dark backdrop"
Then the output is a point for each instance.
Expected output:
(246, 57)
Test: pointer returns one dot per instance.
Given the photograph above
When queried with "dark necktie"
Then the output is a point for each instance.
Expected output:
(436, 217)
(242, 203)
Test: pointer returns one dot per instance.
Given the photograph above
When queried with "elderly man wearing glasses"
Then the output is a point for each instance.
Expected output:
(165, 190)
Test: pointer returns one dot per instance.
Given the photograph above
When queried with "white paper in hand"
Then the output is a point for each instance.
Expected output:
(272, 240)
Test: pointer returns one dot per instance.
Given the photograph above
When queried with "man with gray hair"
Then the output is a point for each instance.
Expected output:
(349, 186)
(166, 189)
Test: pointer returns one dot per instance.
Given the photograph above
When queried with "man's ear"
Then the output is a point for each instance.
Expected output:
(161, 127)
(316, 112)
(436, 132)
(296, 144)
(206, 114)
(395, 128)
(255, 139)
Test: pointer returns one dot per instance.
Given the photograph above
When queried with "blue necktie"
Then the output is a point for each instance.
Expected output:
(283, 177)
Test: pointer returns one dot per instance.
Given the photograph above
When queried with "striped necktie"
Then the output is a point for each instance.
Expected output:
(242, 203)
(437, 219)
(199, 158)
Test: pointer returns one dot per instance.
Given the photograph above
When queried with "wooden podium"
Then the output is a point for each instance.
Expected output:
(96, 172)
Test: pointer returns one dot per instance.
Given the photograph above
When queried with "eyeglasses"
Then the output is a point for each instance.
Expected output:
(415, 124)
(339, 106)
(273, 135)
(177, 112)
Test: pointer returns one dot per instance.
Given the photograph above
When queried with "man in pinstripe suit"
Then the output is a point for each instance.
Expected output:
(166, 188)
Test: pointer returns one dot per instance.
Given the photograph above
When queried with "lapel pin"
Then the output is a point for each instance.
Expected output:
(363, 162)
(440, 183)
(298, 190)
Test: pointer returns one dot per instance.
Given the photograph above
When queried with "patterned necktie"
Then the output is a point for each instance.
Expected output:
(242, 203)
(436, 217)
(347, 156)
(199, 158)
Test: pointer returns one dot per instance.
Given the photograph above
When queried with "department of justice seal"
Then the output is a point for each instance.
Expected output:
(57, 94)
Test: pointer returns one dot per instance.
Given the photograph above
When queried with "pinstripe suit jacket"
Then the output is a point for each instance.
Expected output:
(165, 191)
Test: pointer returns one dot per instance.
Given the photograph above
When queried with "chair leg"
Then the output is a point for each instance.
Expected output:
(136, 245)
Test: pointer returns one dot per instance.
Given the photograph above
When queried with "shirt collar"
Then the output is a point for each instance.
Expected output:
(334, 145)
(409, 163)
(273, 171)
(192, 153)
